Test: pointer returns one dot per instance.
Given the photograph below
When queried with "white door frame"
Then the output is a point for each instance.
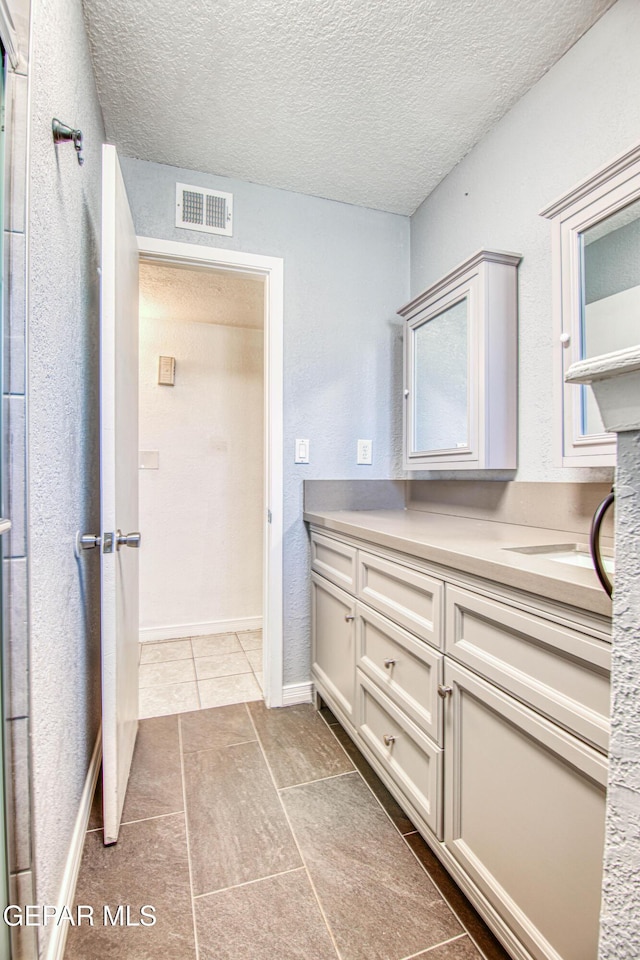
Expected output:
(272, 269)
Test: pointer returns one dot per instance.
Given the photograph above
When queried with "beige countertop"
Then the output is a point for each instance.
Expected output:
(478, 547)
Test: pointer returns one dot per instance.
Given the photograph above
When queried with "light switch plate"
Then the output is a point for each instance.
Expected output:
(148, 460)
(365, 451)
(302, 451)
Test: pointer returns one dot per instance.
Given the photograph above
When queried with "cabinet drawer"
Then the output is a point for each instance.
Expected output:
(525, 817)
(334, 560)
(333, 645)
(406, 669)
(559, 671)
(408, 597)
(409, 757)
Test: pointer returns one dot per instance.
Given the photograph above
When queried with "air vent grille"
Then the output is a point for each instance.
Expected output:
(208, 210)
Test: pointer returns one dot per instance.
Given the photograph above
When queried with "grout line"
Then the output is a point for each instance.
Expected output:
(450, 905)
(227, 746)
(125, 823)
(246, 883)
(435, 946)
(186, 829)
(295, 839)
(305, 783)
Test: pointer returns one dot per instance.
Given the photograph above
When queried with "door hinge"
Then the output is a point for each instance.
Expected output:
(269, 516)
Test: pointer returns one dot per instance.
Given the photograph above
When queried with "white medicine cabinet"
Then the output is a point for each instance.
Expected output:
(596, 290)
(460, 368)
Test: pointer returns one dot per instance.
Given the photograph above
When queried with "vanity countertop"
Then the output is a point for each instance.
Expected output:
(477, 547)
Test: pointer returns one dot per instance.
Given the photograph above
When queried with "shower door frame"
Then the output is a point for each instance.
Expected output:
(271, 269)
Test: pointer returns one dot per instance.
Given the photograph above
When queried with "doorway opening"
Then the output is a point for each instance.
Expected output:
(210, 476)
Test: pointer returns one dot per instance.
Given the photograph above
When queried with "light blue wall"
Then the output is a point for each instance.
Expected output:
(582, 113)
(346, 273)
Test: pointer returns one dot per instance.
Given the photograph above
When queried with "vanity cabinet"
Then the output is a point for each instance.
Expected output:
(460, 368)
(487, 718)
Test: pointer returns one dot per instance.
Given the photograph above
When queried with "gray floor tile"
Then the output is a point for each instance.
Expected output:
(217, 727)
(165, 650)
(460, 949)
(168, 671)
(274, 919)
(393, 809)
(298, 744)
(155, 781)
(148, 865)
(220, 691)
(452, 893)
(215, 643)
(378, 901)
(222, 665)
(237, 828)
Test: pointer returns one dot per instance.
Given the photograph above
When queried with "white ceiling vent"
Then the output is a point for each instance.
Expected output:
(208, 210)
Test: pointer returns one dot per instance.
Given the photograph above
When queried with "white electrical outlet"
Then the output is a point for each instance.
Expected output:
(365, 453)
(302, 451)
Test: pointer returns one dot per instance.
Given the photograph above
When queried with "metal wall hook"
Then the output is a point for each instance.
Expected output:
(64, 134)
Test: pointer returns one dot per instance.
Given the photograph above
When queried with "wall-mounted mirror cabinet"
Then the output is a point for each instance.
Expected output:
(460, 368)
(596, 280)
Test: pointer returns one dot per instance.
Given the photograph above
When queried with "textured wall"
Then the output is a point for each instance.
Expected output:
(583, 112)
(346, 273)
(201, 512)
(620, 934)
(62, 429)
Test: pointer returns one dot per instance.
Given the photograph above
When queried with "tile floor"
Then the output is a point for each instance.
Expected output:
(264, 835)
(177, 676)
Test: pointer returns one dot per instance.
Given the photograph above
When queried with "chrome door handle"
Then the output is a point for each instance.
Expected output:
(349, 618)
(389, 662)
(87, 541)
(389, 740)
(128, 540)
(444, 691)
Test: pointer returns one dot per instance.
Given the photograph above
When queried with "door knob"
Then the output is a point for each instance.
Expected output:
(444, 691)
(349, 618)
(128, 540)
(389, 662)
(389, 740)
(87, 541)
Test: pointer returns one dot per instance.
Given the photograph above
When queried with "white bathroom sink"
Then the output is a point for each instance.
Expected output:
(575, 554)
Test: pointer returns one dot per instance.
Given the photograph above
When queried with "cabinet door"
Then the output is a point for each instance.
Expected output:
(334, 645)
(524, 817)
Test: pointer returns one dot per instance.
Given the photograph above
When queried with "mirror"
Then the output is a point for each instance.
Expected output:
(441, 380)
(610, 301)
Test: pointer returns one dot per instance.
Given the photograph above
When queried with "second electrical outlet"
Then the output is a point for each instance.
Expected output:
(365, 451)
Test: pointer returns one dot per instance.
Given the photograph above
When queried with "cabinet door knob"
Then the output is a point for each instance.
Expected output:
(444, 691)
(349, 617)
(389, 663)
(388, 739)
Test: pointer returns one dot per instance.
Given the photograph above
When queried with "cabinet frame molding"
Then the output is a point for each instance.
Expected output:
(488, 282)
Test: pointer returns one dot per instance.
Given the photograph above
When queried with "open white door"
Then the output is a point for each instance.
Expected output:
(119, 490)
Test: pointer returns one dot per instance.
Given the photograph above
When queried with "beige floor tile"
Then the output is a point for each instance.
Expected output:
(220, 691)
(255, 659)
(260, 678)
(222, 665)
(250, 639)
(171, 671)
(215, 643)
(165, 650)
(168, 698)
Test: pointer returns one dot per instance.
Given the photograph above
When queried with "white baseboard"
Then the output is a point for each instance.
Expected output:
(66, 897)
(177, 631)
(297, 693)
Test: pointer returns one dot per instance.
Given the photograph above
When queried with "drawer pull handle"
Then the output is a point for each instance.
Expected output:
(349, 617)
(389, 663)
(444, 691)
(388, 739)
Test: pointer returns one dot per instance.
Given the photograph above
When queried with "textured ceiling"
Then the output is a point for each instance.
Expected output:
(201, 296)
(370, 102)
